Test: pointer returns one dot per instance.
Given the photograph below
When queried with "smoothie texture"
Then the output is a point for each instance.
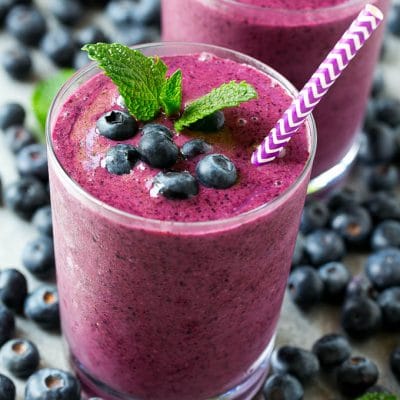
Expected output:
(293, 37)
(152, 309)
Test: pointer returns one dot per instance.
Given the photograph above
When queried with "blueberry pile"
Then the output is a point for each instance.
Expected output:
(158, 149)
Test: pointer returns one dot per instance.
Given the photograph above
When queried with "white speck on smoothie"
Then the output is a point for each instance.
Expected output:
(155, 190)
(282, 153)
(141, 166)
(120, 102)
(204, 56)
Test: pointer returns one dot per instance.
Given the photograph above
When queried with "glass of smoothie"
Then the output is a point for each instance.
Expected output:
(168, 299)
(293, 37)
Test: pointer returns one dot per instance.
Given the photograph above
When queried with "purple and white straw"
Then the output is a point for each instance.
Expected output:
(346, 48)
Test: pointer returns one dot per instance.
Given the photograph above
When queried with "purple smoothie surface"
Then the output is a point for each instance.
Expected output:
(293, 4)
(81, 150)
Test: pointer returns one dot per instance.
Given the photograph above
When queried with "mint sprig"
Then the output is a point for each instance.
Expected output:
(227, 95)
(377, 396)
(141, 80)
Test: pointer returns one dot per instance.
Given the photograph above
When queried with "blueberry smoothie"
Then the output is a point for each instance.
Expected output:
(293, 37)
(166, 298)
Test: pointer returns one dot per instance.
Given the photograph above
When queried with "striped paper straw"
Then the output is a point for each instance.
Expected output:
(327, 73)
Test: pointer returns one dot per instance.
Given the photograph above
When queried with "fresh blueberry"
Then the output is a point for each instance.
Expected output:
(361, 286)
(90, 34)
(395, 362)
(18, 137)
(7, 388)
(68, 12)
(370, 115)
(117, 125)
(52, 384)
(11, 114)
(378, 83)
(157, 149)
(298, 253)
(32, 161)
(383, 268)
(324, 245)
(25, 196)
(38, 257)
(212, 123)
(356, 375)
(120, 12)
(20, 357)
(13, 289)
(43, 222)
(302, 364)
(394, 20)
(378, 144)
(361, 317)
(382, 177)
(175, 185)
(194, 147)
(389, 302)
(353, 225)
(26, 23)
(305, 286)
(41, 306)
(121, 158)
(283, 387)
(383, 205)
(81, 59)
(7, 324)
(386, 234)
(5, 7)
(59, 46)
(346, 197)
(332, 350)
(388, 111)
(146, 11)
(157, 129)
(17, 62)
(315, 215)
(335, 276)
(216, 171)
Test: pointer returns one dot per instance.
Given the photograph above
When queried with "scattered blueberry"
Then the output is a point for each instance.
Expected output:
(302, 364)
(13, 289)
(41, 306)
(7, 324)
(81, 59)
(90, 34)
(216, 171)
(7, 388)
(283, 387)
(382, 177)
(17, 62)
(26, 23)
(361, 286)
(42, 221)
(38, 257)
(298, 253)
(25, 196)
(346, 197)
(121, 12)
(176, 185)
(146, 11)
(20, 357)
(324, 245)
(394, 20)
(59, 46)
(389, 302)
(68, 12)
(378, 83)
(388, 111)
(11, 114)
(305, 286)
(315, 215)
(5, 7)
(117, 125)
(370, 115)
(194, 147)
(211, 123)
(383, 205)
(120, 159)
(361, 317)
(383, 268)
(335, 276)
(386, 234)
(18, 137)
(332, 350)
(395, 362)
(51, 384)
(32, 161)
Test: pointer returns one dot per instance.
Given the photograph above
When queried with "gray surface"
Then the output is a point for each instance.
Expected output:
(295, 328)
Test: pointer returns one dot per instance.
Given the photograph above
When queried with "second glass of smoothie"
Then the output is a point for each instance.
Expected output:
(293, 36)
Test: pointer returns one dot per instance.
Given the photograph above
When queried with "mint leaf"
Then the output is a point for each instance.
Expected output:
(227, 95)
(139, 79)
(43, 94)
(377, 396)
(171, 93)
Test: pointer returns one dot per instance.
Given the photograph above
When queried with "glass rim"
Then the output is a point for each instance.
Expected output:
(132, 218)
(346, 3)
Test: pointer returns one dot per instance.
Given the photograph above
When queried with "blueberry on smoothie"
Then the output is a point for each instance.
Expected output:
(17, 137)
(283, 387)
(216, 171)
(211, 123)
(11, 114)
(332, 350)
(176, 185)
(38, 257)
(121, 158)
(52, 383)
(13, 289)
(32, 161)
(117, 125)
(7, 324)
(41, 306)
(20, 357)
(7, 388)
(194, 147)
(383, 268)
(389, 302)
(157, 129)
